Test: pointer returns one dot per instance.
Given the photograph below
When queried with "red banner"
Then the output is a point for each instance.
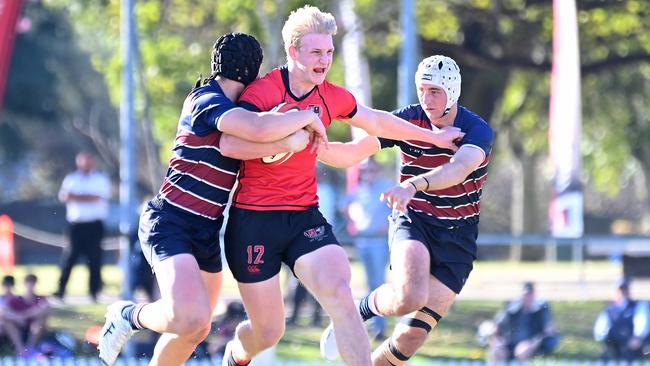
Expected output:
(9, 14)
(7, 257)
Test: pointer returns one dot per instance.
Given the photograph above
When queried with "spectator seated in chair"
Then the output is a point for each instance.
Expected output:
(523, 329)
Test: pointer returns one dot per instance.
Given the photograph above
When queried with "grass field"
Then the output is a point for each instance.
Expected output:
(454, 338)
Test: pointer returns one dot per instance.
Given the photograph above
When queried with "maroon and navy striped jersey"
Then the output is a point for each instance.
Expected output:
(200, 178)
(292, 184)
(458, 205)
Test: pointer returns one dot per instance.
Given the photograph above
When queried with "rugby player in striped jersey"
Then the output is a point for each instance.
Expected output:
(435, 218)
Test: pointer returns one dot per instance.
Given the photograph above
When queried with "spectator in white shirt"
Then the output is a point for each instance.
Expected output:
(623, 326)
(85, 192)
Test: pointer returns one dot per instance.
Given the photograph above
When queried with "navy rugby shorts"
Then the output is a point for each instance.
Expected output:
(256, 243)
(166, 231)
(452, 251)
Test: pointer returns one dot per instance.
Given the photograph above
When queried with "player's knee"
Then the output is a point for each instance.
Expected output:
(195, 326)
(197, 335)
(266, 335)
(334, 290)
(190, 321)
(270, 335)
(410, 300)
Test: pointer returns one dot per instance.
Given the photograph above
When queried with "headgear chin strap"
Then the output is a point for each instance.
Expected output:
(237, 56)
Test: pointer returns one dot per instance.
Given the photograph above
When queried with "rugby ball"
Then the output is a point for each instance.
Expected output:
(280, 158)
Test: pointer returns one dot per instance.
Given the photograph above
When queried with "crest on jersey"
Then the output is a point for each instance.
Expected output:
(314, 108)
(276, 159)
(316, 233)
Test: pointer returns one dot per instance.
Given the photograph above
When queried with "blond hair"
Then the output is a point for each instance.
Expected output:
(305, 20)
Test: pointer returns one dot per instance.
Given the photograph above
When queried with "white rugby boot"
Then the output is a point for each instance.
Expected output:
(328, 348)
(115, 333)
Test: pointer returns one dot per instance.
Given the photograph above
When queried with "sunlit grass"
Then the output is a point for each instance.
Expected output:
(454, 338)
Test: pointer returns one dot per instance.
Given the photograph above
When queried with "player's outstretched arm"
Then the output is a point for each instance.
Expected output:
(384, 124)
(465, 161)
(237, 148)
(344, 155)
(269, 126)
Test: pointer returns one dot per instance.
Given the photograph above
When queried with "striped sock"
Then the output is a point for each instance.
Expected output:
(367, 307)
(131, 313)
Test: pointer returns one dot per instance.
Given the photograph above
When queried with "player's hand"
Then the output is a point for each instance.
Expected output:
(399, 196)
(318, 134)
(316, 144)
(447, 137)
(297, 141)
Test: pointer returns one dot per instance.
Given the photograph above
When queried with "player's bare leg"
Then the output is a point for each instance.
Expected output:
(184, 313)
(407, 292)
(408, 289)
(330, 284)
(412, 330)
(265, 325)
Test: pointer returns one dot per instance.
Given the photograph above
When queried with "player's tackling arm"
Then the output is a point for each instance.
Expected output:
(464, 162)
(268, 126)
(344, 155)
(384, 124)
(237, 148)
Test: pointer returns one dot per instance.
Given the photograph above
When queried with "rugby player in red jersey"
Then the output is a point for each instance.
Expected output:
(436, 212)
(275, 216)
(179, 228)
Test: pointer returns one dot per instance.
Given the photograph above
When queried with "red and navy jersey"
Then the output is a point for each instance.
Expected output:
(199, 178)
(292, 184)
(458, 205)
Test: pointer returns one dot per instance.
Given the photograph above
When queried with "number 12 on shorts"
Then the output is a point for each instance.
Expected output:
(255, 253)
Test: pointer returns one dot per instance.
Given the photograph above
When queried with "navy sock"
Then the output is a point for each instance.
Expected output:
(364, 309)
(127, 313)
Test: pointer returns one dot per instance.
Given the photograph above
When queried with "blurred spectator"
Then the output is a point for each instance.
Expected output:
(369, 227)
(223, 328)
(31, 311)
(85, 193)
(9, 321)
(141, 276)
(623, 326)
(300, 298)
(523, 328)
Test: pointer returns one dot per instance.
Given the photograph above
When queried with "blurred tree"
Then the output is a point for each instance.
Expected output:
(175, 40)
(56, 103)
(502, 46)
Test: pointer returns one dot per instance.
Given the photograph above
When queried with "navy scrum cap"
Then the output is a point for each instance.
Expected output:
(237, 56)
